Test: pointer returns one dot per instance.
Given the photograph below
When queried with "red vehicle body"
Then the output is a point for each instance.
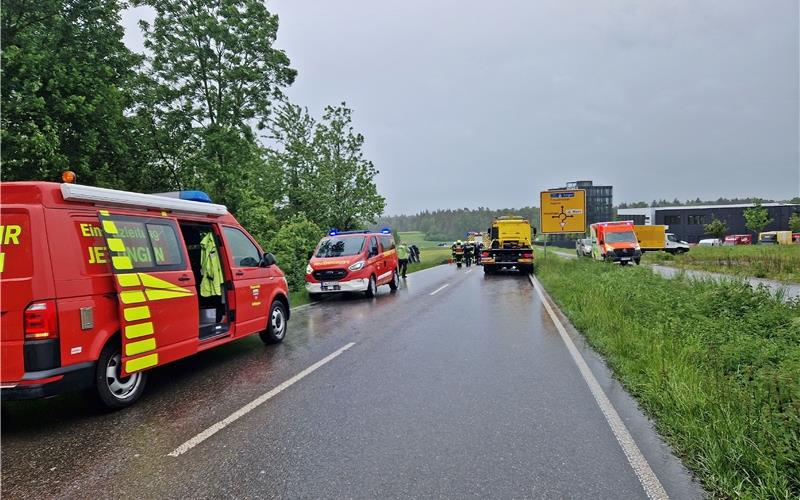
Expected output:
(98, 285)
(352, 261)
(615, 242)
(795, 237)
(738, 239)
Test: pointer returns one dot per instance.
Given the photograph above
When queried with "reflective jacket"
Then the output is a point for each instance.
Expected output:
(210, 269)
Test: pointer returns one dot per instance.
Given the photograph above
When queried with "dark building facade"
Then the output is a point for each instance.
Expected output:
(687, 223)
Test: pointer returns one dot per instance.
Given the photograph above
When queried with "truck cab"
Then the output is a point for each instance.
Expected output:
(509, 245)
(615, 242)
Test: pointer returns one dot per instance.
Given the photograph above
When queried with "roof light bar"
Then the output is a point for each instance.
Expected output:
(103, 196)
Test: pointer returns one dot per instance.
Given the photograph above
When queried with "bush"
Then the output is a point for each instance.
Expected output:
(291, 244)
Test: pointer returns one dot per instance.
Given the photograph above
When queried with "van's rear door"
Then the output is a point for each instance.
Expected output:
(158, 311)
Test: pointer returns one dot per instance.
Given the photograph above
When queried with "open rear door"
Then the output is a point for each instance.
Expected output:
(158, 309)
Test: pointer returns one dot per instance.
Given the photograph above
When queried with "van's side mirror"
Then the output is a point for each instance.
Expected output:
(268, 260)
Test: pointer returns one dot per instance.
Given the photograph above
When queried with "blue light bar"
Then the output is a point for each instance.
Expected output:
(189, 195)
(386, 230)
(333, 232)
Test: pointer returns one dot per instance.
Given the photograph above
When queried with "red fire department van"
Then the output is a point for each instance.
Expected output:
(352, 261)
(98, 285)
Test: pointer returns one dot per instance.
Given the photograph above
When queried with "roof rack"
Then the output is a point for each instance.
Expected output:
(114, 197)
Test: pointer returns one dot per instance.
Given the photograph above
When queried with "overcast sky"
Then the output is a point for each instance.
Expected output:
(467, 104)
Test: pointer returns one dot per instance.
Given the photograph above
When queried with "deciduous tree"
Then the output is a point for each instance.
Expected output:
(756, 218)
(716, 228)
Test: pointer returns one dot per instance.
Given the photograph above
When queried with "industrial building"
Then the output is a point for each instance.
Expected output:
(687, 223)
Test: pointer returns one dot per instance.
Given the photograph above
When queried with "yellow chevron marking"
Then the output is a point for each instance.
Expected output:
(135, 365)
(134, 348)
(174, 293)
(151, 281)
(138, 330)
(132, 297)
(136, 313)
(116, 245)
(122, 262)
(128, 280)
(109, 227)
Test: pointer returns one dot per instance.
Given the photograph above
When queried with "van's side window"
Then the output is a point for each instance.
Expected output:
(152, 246)
(243, 251)
(387, 242)
(373, 246)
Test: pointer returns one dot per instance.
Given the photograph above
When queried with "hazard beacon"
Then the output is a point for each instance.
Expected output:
(98, 286)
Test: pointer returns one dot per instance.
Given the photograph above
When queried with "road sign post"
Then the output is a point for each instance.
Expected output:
(562, 211)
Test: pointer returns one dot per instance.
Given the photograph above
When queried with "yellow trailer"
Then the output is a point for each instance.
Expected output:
(651, 238)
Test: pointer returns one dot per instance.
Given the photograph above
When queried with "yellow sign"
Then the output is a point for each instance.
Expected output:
(563, 211)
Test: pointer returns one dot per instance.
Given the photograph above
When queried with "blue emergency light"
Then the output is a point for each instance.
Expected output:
(189, 195)
(386, 230)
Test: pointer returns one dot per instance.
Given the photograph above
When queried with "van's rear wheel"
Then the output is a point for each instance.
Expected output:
(113, 390)
(276, 324)
(394, 283)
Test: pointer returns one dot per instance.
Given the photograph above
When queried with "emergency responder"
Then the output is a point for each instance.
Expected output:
(478, 250)
(469, 252)
(458, 252)
(402, 258)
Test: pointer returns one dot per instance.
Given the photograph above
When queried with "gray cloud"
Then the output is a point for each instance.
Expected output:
(469, 103)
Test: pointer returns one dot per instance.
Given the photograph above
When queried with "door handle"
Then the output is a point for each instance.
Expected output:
(239, 273)
(184, 278)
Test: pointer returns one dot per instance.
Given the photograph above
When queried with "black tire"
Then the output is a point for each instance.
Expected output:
(488, 269)
(395, 281)
(638, 261)
(112, 391)
(276, 324)
(623, 263)
(372, 287)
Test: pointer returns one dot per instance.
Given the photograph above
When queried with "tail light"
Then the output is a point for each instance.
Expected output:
(484, 254)
(527, 255)
(40, 321)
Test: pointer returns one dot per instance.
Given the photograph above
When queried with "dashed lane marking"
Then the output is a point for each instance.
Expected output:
(440, 289)
(188, 445)
(652, 486)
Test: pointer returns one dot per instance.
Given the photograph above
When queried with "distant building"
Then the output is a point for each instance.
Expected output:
(687, 222)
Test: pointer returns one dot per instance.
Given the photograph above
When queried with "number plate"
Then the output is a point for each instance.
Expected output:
(330, 285)
(625, 258)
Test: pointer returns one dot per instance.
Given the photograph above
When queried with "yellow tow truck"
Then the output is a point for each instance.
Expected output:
(508, 245)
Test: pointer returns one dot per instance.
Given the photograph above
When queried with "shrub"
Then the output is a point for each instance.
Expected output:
(291, 244)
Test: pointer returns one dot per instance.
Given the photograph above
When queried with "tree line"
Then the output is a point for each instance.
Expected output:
(452, 224)
(203, 109)
(719, 201)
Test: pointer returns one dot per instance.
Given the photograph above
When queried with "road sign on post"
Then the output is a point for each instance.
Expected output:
(562, 211)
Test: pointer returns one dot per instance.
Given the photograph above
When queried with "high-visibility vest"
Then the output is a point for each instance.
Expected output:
(210, 269)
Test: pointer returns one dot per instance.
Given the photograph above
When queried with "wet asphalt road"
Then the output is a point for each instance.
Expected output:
(469, 392)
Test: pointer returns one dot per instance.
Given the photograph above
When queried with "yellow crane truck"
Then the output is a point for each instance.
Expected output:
(508, 245)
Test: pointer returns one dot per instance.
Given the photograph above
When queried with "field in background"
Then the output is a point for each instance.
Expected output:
(430, 254)
(717, 365)
(778, 262)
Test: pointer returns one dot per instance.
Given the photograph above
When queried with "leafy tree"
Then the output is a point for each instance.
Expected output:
(324, 172)
(291, 246)
(716, 228)
(67, 80)
(794, 222)
(756, 218)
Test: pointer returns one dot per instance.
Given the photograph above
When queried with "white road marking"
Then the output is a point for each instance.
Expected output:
(191, 443)
(469, 271)
(440, 289)
(652, 486)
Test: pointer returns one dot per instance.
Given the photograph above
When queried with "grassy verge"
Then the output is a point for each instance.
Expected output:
(778, 262)
(430, 254)
(717, 365)
(298, 298)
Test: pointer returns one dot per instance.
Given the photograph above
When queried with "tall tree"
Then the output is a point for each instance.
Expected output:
(67, 81)
(214, 77)
(794, 222)
(756, 218)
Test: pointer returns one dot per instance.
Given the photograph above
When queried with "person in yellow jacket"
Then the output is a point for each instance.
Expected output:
(210, 269)
(402, 259)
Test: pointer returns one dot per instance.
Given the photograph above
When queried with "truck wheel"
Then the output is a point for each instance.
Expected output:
(394, 283)
(488, 269)
(372, 287)
(114, 391)
(276, 324)
(638, 261)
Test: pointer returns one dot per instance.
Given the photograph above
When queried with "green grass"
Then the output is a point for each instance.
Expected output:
(298, 298)
(717, 366)
(778, 262)
(429, 253)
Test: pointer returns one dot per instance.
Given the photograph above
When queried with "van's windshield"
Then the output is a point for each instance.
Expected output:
(621, 237)
(341, 246)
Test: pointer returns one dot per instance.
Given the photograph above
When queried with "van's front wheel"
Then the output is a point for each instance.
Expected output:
(113, 390)
(276, 324)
